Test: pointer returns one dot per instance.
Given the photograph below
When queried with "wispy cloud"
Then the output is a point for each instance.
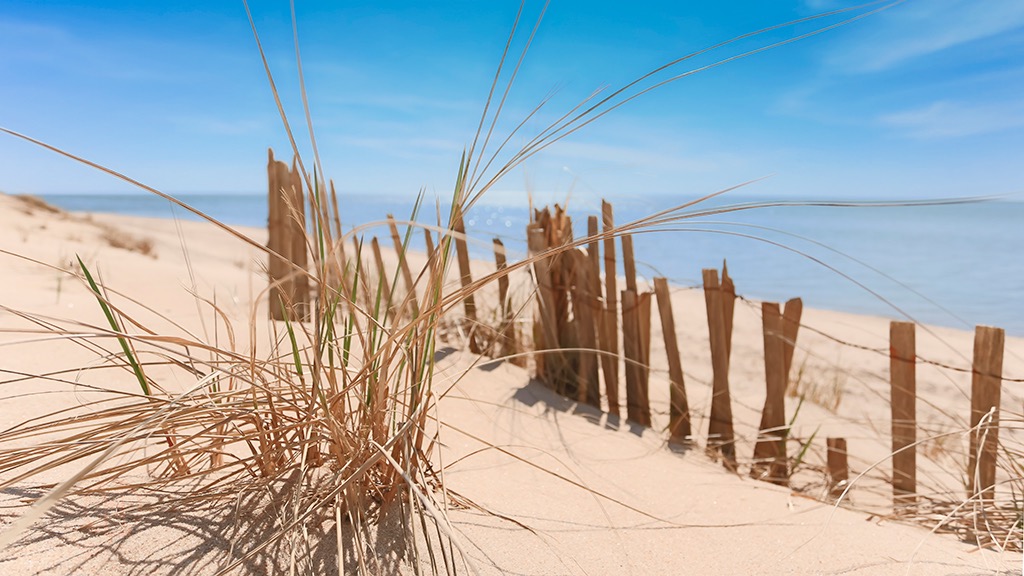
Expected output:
(55, 49)
(397, 103)
(637, 158)
(917, 29)
(409, 148)
(30, 41)
(944, 119)
(818, 5)
(221, 126)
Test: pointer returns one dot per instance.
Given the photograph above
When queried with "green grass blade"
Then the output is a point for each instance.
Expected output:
(129, 356)
(295, 345)
(803, 450)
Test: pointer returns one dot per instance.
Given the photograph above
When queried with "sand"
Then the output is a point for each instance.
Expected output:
(596, 495)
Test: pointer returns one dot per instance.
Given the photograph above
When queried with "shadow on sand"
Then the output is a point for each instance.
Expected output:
(129, 534)
(536, 393)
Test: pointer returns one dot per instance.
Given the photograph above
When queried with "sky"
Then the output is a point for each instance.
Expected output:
(921, 100)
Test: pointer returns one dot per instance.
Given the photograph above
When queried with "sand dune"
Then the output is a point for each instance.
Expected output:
(589, 494)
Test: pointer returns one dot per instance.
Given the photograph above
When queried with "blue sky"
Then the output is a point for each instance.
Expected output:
(921, 100)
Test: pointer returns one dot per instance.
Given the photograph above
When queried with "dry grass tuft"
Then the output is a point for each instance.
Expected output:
(125, 241)
(29, 204)
(329, 424)
(821, 386)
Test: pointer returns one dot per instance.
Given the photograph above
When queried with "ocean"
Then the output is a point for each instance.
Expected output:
(951, 265)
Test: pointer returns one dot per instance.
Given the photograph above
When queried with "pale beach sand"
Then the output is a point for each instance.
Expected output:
(648, 508)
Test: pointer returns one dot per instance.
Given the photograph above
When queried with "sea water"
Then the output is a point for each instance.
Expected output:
(952, 265)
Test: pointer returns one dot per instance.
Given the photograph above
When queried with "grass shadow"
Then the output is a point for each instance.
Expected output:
(135, 534)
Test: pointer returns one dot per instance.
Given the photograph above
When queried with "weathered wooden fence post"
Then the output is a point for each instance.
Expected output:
(286, 230)
(637, 405)
(903, 398)
(593, 253)
(429, 240)
(636, 326)
(790, 328)
(719, 300)
(643, 321)
(466, 278)
(838, 470)
(403, 265)
(506, 341)
(630, 352)
(611, 323)
(584, 306)
(986, 385)
(385, 285)
(629, 263)
(597, 309)
(770, 462)
(275, 240)
(679, 426)
(500, 264)
(545, 331)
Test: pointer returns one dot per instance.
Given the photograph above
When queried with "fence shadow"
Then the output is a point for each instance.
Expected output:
(536, 393)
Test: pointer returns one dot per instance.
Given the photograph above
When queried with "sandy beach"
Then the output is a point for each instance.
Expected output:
(555, 487)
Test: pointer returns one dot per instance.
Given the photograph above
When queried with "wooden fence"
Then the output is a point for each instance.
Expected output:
(579, 321)
(576, 322)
